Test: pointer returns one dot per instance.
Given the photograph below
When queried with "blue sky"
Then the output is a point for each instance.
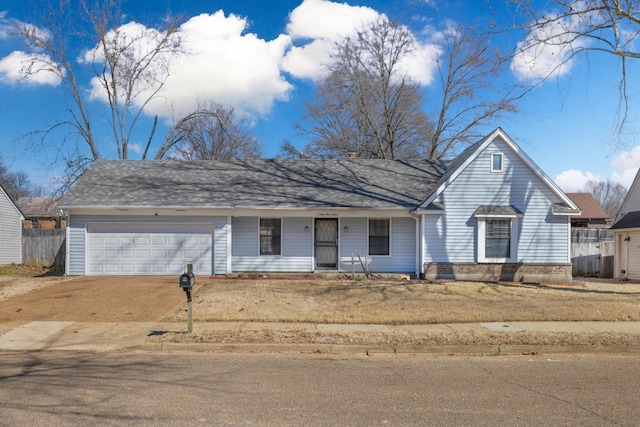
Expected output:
(265, 57)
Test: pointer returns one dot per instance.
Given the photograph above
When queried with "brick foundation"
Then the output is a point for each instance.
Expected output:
(532, 273)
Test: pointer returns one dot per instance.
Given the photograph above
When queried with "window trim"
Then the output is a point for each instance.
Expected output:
(482, 240)
(260, 237)
(368, 236)
(493, 169)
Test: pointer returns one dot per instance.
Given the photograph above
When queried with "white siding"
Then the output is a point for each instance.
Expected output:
(10, 231)
(297, 246)
(77, 246)
(452, 237)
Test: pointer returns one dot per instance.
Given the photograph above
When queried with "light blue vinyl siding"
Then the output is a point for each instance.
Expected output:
(77, 242)
(10, 231)
(402, 258)
(297, 246)
(403, 249)
(452, 236)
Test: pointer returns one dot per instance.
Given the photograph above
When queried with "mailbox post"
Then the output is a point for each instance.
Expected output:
(187, 280)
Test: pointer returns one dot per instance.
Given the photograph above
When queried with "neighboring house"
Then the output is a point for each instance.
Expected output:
(592, 215)
(627, 235)
(10, 230)
(41, 212)
(491, 214)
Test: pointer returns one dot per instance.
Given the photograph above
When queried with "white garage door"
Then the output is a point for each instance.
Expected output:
(149, 249)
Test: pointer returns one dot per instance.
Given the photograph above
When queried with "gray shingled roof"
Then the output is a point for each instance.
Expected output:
(255, 183)
(630, 220)
(497, 210)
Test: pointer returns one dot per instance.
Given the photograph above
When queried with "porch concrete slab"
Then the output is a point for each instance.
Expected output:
(90, 336)
(551, 326)
(29, 336)
(623, 327)
(334, 328)
(500, 327)
(443, 329)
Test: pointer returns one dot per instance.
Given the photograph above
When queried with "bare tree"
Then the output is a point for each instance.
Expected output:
(289, 151)
(609, 194)
(366, 103)
(16, 184)
(221, 134)
(468, 96)
(129, 66)
(563, 29)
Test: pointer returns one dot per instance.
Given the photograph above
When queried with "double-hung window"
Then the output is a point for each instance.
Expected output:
(497, 242)
(270, 236)
(379, 233)
(497, 238)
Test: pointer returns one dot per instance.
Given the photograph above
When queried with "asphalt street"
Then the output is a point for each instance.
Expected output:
(41, 388)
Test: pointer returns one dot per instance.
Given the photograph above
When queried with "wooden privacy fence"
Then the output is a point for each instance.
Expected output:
(593, 259)
(44, 247)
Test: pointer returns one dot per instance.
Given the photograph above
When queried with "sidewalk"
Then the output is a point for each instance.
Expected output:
(139, 336)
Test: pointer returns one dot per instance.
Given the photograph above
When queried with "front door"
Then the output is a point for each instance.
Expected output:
(326, 243)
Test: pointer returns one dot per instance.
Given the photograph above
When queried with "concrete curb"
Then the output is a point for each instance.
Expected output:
(453, 350)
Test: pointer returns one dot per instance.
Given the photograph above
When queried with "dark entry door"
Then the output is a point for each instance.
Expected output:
(326, 243)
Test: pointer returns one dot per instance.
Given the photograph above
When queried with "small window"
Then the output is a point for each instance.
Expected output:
(496, 162)
(498, 238)
(379, 236)
(270, 236)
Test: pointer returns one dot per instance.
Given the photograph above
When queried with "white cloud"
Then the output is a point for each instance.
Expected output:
(226, 65)
(573, 181)
(316, 25)
(31, 69)
(322, 19)
(626, 177)
(626, 164)
(627, 159)
(548, 49)
(220, 63)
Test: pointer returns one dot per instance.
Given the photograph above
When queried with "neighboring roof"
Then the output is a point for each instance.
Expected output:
(38, 206)
(11, 202)
(589, 206)
(630, 220)
(254, 183)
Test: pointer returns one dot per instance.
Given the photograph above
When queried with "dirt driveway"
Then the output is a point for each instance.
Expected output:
(89, 299)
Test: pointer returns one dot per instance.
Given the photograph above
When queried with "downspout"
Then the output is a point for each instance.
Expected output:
(418, 247)
(229, 247)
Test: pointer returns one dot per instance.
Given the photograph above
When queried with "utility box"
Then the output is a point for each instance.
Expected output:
(187, 280)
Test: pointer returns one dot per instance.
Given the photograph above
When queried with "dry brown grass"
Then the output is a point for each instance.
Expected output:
(414, 302)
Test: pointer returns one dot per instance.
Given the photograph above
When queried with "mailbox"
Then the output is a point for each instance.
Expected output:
(187, 280)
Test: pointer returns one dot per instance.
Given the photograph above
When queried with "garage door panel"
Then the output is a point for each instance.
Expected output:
(143, 254)
(159, 249)
(159, 254)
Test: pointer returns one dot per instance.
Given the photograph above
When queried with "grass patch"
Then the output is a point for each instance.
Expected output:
(409, 302)
(25, 270)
